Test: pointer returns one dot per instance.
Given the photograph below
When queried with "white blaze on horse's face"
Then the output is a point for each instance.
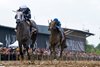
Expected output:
(52, 25)
(20, 16)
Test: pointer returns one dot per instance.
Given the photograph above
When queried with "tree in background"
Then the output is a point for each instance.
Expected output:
(98, 49)
(91, 49)
(98, 46)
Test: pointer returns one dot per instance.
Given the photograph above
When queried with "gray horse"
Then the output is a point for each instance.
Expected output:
(25, 37)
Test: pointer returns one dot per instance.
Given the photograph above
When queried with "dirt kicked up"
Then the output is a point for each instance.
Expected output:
(53, 63)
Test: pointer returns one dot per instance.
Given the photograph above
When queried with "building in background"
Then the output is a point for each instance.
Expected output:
(75, 41)
(7, 35)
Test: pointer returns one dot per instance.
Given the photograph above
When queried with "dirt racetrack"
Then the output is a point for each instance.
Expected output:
(53, 63)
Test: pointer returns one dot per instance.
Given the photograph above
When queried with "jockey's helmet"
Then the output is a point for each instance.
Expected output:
(23, 6)
(55, 19)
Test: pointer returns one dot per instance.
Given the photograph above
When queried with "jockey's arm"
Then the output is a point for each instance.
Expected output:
(58, 24)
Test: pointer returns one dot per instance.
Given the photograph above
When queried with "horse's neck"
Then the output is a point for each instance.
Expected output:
(23, 31)
(54, 36)
(54, 33)
(22, 27)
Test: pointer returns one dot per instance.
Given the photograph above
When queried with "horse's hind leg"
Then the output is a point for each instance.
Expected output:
(32, 46)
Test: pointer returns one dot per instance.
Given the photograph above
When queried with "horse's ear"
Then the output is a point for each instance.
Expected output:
(48, 22)
(51, 20)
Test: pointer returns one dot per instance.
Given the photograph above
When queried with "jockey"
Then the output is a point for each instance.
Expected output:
(27, 14)
(58, 25)
(26, 11)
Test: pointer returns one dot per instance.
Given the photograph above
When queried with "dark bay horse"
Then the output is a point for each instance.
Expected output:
(56, 39)
(25, 37)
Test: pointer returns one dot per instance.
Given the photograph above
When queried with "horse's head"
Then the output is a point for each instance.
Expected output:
(52, 25)
(19, 16)
(23, 27)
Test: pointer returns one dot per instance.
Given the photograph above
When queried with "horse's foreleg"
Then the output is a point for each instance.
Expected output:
(54, 52)
(28, 55)
(21, 52)
(62, 47)
(27, 48)
(51, 51)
